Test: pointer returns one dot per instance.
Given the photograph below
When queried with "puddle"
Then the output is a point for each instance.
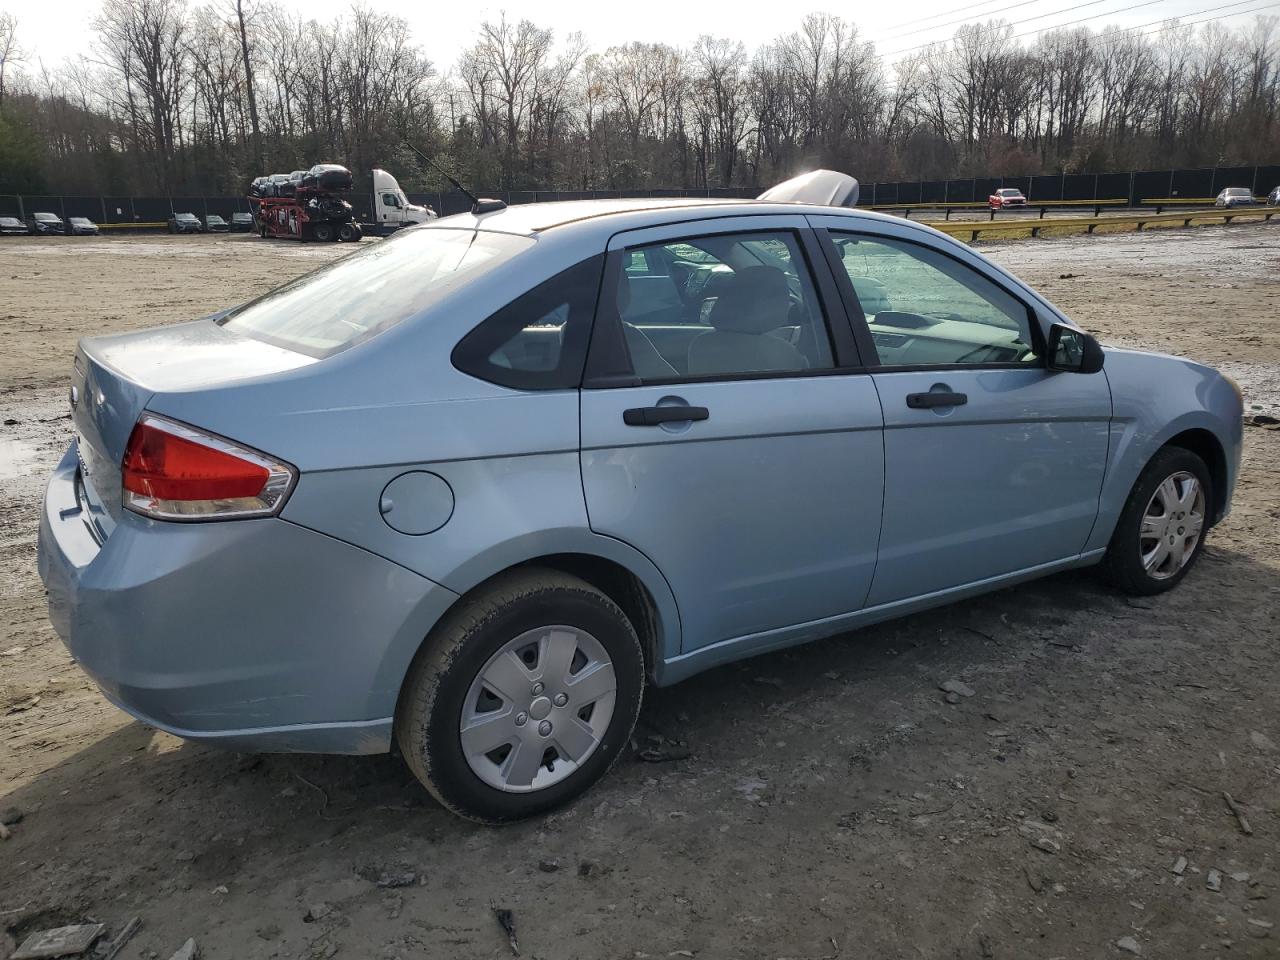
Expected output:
(18, 458)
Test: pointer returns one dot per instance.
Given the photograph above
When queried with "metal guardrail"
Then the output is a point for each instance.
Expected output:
(1041, 205)
(1161, 202)
(1089, 224)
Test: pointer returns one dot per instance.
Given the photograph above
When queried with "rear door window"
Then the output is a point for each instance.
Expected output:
(720, 306)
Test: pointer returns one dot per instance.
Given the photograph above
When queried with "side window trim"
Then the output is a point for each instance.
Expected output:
(862, 331)
(607, 352)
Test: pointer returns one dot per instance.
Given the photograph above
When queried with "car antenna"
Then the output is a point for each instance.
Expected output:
(478, 206)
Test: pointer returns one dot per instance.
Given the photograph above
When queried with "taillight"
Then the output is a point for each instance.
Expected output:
(175, 472)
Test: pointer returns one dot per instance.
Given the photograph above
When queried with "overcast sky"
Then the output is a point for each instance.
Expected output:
(56, 29)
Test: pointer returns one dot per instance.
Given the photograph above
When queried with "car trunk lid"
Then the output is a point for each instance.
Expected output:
(115, 378)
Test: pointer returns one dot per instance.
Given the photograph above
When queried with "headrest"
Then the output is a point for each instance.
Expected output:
(756, 300)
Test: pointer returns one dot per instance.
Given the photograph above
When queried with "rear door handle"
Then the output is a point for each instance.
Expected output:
(923, 401)
(654, 416)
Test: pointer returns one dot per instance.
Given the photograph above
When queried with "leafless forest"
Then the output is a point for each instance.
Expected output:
(177, 97)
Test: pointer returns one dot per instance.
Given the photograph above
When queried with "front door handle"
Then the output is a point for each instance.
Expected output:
(655, 416)
(923, 401)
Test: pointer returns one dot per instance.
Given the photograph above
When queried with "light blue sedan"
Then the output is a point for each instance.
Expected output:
(469, 489)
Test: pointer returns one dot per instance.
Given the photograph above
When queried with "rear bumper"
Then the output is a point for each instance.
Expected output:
(248, 634)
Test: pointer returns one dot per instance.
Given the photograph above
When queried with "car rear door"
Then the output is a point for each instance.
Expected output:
(993, 463)
(747, 464)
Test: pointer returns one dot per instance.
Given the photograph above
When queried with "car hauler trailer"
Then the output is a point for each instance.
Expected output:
(317, 214)
(305, 218)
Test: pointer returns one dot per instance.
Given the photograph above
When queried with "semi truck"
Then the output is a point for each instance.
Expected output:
(326, 215)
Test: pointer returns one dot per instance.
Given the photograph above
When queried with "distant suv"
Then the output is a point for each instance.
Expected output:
(45, 223)
(1235, 197)
(241, 222)
(12, 225)
(215, 224)
(185, 223)
(81, 227)
(1006, 197)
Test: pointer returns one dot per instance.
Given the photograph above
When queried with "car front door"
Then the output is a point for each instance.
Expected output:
(728, 431)
(993, 463)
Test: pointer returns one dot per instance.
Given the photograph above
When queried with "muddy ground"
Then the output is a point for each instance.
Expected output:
(831, 805)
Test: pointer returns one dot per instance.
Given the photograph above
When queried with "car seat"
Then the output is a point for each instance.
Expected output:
(756, 302)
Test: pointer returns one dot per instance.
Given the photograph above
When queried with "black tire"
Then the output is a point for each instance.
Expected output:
(324, 232)
(429, 716)
(349, 232)
(1122, 566)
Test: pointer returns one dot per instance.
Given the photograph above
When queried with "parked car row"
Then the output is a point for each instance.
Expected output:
(50, 224)
(42, 224)
(241, 222)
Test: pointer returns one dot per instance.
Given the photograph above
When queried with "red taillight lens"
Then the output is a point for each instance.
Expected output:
(174, 472)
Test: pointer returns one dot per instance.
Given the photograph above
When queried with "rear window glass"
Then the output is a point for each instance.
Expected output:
(359, 296)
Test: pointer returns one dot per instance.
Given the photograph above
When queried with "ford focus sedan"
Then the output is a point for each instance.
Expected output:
(468, 490)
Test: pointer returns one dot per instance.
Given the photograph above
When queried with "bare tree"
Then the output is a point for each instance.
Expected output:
(10, 52)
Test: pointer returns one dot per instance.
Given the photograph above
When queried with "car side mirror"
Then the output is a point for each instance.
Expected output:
(1073, 351)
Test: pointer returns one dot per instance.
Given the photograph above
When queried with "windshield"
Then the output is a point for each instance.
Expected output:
(358, 297)
(1236, 192)
(214, 218)
(79, 221)
(1010, 193)
(186, 216)
(47, 217)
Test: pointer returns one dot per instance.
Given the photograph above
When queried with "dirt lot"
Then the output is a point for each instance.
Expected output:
(832, 804)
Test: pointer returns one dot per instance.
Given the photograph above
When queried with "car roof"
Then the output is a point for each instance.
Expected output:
(607, 217)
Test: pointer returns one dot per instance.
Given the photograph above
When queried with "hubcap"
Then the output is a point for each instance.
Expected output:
(1171, 525)
(538, 708)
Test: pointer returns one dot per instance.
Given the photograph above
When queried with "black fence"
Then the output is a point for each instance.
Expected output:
(1137, 187)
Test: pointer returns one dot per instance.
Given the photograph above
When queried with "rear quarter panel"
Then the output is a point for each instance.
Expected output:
(1154, 398)
(355, 421)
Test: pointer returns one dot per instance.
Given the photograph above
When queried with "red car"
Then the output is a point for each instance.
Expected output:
(1006, 197)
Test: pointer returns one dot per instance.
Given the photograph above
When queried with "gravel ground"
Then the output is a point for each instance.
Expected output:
(830, 804)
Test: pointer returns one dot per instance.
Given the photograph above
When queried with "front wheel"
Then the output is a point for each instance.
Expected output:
(1161, 529)
(522, 698)
(349, 232)
(323, 232)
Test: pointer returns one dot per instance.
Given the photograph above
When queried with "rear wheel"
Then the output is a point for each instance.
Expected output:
(522, 698)
(1163, 524)
(349, 232)
(324, 232)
